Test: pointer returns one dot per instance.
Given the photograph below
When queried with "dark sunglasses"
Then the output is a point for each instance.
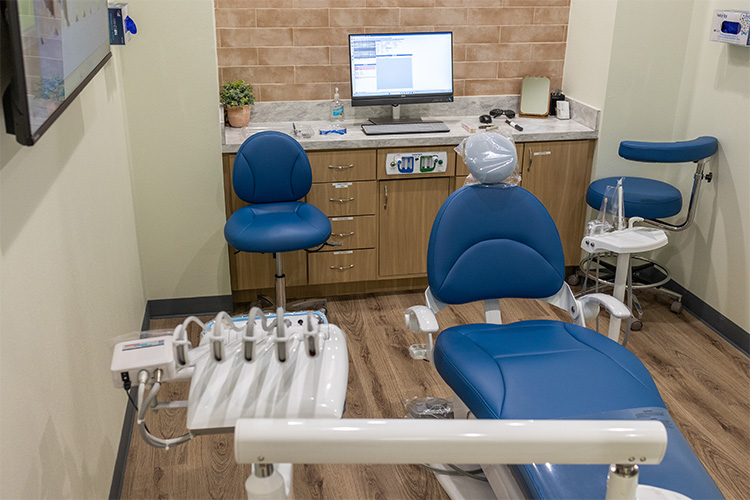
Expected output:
(494, 113)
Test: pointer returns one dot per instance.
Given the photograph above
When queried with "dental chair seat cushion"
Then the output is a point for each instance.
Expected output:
(553, 370)
(647, 198)
(680, 470)
(277, 227)
(541, 369)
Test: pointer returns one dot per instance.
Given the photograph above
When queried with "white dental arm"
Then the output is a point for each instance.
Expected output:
(590, 304)
(421, 319)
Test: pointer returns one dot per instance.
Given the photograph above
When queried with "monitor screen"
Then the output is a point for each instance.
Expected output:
(55, 49)
(401, 68)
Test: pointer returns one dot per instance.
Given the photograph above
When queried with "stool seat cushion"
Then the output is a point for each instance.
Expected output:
(277, 227)
(647, 198)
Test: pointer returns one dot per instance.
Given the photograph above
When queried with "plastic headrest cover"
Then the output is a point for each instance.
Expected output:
(491, 157)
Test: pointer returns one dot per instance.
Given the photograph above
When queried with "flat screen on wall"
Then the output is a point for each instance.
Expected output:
(53, 48)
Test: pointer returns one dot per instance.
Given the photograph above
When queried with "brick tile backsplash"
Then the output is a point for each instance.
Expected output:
(298, 49)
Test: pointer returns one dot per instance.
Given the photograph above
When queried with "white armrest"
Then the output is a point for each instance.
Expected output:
(421, 319)
(592, 301)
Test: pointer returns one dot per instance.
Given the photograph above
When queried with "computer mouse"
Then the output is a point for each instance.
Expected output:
(485, 119)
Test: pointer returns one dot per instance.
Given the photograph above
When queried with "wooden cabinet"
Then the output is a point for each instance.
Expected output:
(558, 173)
(408, 209)
(383, 222)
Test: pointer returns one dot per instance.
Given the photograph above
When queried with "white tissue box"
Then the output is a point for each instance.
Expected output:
(731, 26)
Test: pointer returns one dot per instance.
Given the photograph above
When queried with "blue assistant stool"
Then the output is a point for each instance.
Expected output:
(272, 171)
(654, 200)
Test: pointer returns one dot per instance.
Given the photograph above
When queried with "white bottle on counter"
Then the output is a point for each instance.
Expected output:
(337, 108)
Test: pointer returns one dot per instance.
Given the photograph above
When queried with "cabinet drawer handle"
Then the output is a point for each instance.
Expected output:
(340, 200)
(341, 167)
(344, 235)
(342, 268)
(531, 158)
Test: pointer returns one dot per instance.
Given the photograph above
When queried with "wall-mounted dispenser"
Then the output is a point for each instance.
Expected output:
(731, 26)
(121, 27)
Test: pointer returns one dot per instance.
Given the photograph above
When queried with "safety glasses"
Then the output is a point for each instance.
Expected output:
(494, 113)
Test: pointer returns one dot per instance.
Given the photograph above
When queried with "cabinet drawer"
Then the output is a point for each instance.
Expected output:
(345, 198)
(342, 266)
(353, 232)
(341, 166)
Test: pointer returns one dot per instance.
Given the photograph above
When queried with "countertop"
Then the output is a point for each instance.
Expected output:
(534, 130)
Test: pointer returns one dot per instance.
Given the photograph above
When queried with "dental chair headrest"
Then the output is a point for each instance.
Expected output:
(491, 157)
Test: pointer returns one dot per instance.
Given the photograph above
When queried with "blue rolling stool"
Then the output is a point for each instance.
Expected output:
(653, 200)
(272, 171)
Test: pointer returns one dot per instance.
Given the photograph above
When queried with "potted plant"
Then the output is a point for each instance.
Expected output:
(237, 98)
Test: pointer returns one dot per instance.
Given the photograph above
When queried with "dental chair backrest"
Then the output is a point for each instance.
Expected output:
(491, 241)
(290, 178)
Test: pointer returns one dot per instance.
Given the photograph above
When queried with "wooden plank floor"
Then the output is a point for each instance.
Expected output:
(704, 380)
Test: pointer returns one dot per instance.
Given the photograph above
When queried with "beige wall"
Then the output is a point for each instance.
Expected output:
(297, 50)
(71, 280)
(171, 89)
(666, 81)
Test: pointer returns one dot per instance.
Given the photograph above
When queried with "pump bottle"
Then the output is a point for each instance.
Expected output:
(337, 108)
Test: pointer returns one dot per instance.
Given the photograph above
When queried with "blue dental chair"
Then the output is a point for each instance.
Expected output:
(492, 241)
(653, 200)
(272, 171)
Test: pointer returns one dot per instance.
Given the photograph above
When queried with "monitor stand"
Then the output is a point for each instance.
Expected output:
(394, 118)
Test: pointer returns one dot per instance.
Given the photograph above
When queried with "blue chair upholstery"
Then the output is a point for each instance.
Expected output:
(272, 171)
(647, 198)
(499, 241)
(650, 198)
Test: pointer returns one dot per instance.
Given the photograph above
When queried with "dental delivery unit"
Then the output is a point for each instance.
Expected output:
(549, 409)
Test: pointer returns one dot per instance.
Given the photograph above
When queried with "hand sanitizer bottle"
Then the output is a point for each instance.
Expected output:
(337, 108)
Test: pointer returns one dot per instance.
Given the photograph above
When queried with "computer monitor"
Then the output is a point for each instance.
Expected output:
(401, 68)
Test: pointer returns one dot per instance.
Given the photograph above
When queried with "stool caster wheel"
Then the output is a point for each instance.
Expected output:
(676, 307)
(573, 280)
(636, 325)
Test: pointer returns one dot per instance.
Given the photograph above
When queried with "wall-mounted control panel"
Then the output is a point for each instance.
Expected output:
(416, 163)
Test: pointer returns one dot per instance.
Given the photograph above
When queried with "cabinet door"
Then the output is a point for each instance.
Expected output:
(407, 211)
(558, 173)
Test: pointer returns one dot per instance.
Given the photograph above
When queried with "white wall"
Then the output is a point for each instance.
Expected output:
(71, 280)
(171, 84)
(666, 81)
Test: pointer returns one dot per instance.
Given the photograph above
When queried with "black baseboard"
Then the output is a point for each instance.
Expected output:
(196, 306)
(712, 318)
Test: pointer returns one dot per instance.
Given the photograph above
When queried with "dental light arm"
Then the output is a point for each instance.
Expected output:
(624, 443)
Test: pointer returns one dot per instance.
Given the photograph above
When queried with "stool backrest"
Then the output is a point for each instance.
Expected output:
(669, 152)
(271, 167)
(494, 241)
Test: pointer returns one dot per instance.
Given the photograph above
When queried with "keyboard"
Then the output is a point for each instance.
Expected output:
(404, 128)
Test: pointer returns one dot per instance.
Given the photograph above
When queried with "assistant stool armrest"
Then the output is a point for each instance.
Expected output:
(591, 302)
